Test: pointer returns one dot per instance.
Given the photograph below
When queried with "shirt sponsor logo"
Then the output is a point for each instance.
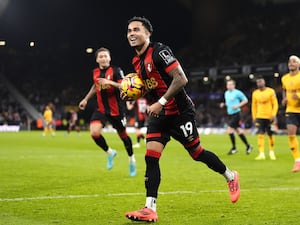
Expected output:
(166, 56)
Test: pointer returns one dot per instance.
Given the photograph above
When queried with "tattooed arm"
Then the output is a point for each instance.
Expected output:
(178, 82)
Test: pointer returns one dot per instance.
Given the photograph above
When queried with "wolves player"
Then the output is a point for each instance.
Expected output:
(291, 99)
(264, 108)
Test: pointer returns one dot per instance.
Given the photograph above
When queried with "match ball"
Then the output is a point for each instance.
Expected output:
(133, 86)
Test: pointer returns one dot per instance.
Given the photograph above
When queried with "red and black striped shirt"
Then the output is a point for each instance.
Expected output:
(153, 67)
(108, 97)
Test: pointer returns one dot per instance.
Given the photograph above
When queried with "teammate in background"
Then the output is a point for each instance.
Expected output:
(48, 119)
(264, 109)
(140, 107)
(291, 99)
(73, 121)
(170, 113)
(234, 101)
(110, 108)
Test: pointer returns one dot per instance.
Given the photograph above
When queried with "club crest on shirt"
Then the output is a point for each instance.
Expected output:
(166, 56)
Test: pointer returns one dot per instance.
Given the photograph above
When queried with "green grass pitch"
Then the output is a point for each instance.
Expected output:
(63, 180)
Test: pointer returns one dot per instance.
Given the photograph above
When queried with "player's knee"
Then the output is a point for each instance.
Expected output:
(195, 153)
(95, 132)
(194, 148)
(122, 133)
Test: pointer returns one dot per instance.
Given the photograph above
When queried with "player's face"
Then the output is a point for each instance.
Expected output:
(137, 34)
(230, 85)
(293, 64)
(260, 83)
(103, 59)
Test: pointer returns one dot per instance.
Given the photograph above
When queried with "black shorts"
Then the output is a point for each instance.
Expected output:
(118, 122)
(263, 126)
(292, 119)
(181, 127)
(234, 120)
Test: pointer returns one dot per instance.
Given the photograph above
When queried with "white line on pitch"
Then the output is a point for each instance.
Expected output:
(139, 193)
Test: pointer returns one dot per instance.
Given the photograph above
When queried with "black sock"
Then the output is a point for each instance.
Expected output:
(243, 138)
(139, 137)
(128, 145)
(232, 138)
(152, 176)
(212, 161)
(101, 142)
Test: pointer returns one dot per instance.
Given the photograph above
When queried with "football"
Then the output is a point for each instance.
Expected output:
(133, 86)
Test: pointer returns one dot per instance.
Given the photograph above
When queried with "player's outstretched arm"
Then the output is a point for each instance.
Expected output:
(104, 81)
(82, 104)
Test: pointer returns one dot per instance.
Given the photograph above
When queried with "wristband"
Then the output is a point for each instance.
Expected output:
(163, 101)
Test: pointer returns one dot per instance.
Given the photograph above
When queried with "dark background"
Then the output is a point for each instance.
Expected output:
(203, 34)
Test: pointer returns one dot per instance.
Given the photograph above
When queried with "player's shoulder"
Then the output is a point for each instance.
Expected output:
(285, 76)
(96, 69)
(162, 54)
(269, 89)
(117, 70)
(255, 92)
(238, 91)
(160, 48)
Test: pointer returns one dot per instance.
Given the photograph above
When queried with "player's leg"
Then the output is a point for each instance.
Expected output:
(51, 129)
(292, 123)
(260, 139)
(119, 123)
(139, 133)
(46, 129)
(185, 131)
(96, 126)
(156, 141)
(230, 132)
(271, 140)
(240, 131)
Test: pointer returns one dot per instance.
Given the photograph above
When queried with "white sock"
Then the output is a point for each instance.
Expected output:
(229, 175)
(132, 158)
(151, 203)
(109, 151)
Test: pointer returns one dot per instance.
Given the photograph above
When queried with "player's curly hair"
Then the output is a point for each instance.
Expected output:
(146, 23)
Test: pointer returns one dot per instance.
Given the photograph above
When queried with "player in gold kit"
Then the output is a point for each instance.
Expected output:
(48, 120)
(264, 109)
(291, 99)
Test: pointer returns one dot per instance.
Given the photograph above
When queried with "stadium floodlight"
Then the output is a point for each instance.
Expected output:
(89, 50)
(227, 77)
(276, 74)
(251, 76)
(32, 44)
(2, 43)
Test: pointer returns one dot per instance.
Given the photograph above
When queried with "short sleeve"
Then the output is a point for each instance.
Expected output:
(118, 74)
(164, 58)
